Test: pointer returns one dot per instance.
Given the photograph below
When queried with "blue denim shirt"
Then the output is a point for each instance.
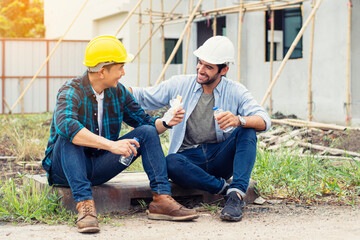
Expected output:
(229, 96)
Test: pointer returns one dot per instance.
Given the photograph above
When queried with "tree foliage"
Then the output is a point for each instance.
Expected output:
(22, 18)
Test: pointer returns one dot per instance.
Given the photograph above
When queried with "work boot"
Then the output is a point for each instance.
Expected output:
(232, 210)
(87, 220)
(164, 207)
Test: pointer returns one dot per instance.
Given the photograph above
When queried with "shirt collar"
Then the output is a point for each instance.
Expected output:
(88, 88)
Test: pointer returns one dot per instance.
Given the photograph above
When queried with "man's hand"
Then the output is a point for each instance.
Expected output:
(124, 147)
(227, 119)
(178, 117)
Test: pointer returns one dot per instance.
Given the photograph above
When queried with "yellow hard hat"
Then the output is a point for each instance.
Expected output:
(105, 49)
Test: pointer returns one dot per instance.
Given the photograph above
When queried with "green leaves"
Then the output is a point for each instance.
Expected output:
(22, 18)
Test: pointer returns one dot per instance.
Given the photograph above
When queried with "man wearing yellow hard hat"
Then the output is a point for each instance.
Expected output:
(84, 147)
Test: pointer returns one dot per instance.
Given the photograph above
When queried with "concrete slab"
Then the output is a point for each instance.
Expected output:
(122, 190)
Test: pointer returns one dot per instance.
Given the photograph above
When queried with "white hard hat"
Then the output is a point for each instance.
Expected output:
(216, 50)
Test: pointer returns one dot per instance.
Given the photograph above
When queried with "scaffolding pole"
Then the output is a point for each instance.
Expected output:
(156, 29)
(241, 12)
(188, 39)
(139, 43)
(150, 31)
(310, 102)
(348, 97)
(272, 20)
(179, 42)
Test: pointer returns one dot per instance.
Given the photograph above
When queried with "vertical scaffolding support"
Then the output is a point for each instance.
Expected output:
(310, 101)
(179, 41)
(191, 2)
(348, 97)
(139, 42)
(163, 36)
(272, 22)
(215, 21)
(241, 11)
(150, 33)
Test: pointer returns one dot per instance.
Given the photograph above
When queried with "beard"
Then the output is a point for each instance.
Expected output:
(209, 81)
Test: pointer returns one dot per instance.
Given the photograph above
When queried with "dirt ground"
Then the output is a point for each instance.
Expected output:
(270, 221)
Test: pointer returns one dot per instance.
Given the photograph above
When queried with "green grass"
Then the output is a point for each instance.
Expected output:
(21, 201)
(308, 179)
(282, 174)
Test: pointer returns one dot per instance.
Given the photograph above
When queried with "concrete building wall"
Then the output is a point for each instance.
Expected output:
(290, 94)
(355, 62)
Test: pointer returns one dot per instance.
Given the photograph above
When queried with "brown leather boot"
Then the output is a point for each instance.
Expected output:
(164, 207)
(87, 220)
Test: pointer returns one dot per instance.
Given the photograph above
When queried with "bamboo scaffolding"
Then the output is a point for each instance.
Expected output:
(191, 3)
(348, 97)
(179, 42)
(271, 57)
(128, 17)
(139, 43)
(163, 36)
(291, 49)
(48, 57)
(310, 114)
(156, 29)
(215, 21)
(214, 12)
(241, 12)
(150, 33)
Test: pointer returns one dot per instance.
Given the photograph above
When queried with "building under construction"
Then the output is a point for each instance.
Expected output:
(295, 56)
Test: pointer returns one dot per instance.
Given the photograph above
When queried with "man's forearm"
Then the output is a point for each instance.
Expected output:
(88, 139)
(255, 122)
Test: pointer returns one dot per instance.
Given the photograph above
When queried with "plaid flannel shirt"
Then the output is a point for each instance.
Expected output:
(77, 108)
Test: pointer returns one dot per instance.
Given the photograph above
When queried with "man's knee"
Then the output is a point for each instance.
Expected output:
(246, 133)
(148, 130)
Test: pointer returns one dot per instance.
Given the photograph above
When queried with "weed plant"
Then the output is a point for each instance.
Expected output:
(21, 201)
(284, 174)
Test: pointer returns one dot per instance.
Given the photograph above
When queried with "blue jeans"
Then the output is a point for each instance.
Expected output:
(206, 166)
(81, 167)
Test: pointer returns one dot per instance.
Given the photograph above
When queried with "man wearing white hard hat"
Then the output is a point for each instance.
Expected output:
(203, 154)
(84, 148)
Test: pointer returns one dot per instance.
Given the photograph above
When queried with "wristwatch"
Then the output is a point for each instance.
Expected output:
(165, 125)
(242, 121)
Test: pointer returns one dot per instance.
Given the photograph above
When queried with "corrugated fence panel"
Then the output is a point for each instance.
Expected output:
(24, 58)
(67, 59)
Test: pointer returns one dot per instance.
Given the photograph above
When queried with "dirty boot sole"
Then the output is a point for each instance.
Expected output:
(227, 217)
(89, 230)
(156, 216)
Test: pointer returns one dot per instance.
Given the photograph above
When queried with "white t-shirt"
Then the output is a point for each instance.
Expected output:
(100, 101)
